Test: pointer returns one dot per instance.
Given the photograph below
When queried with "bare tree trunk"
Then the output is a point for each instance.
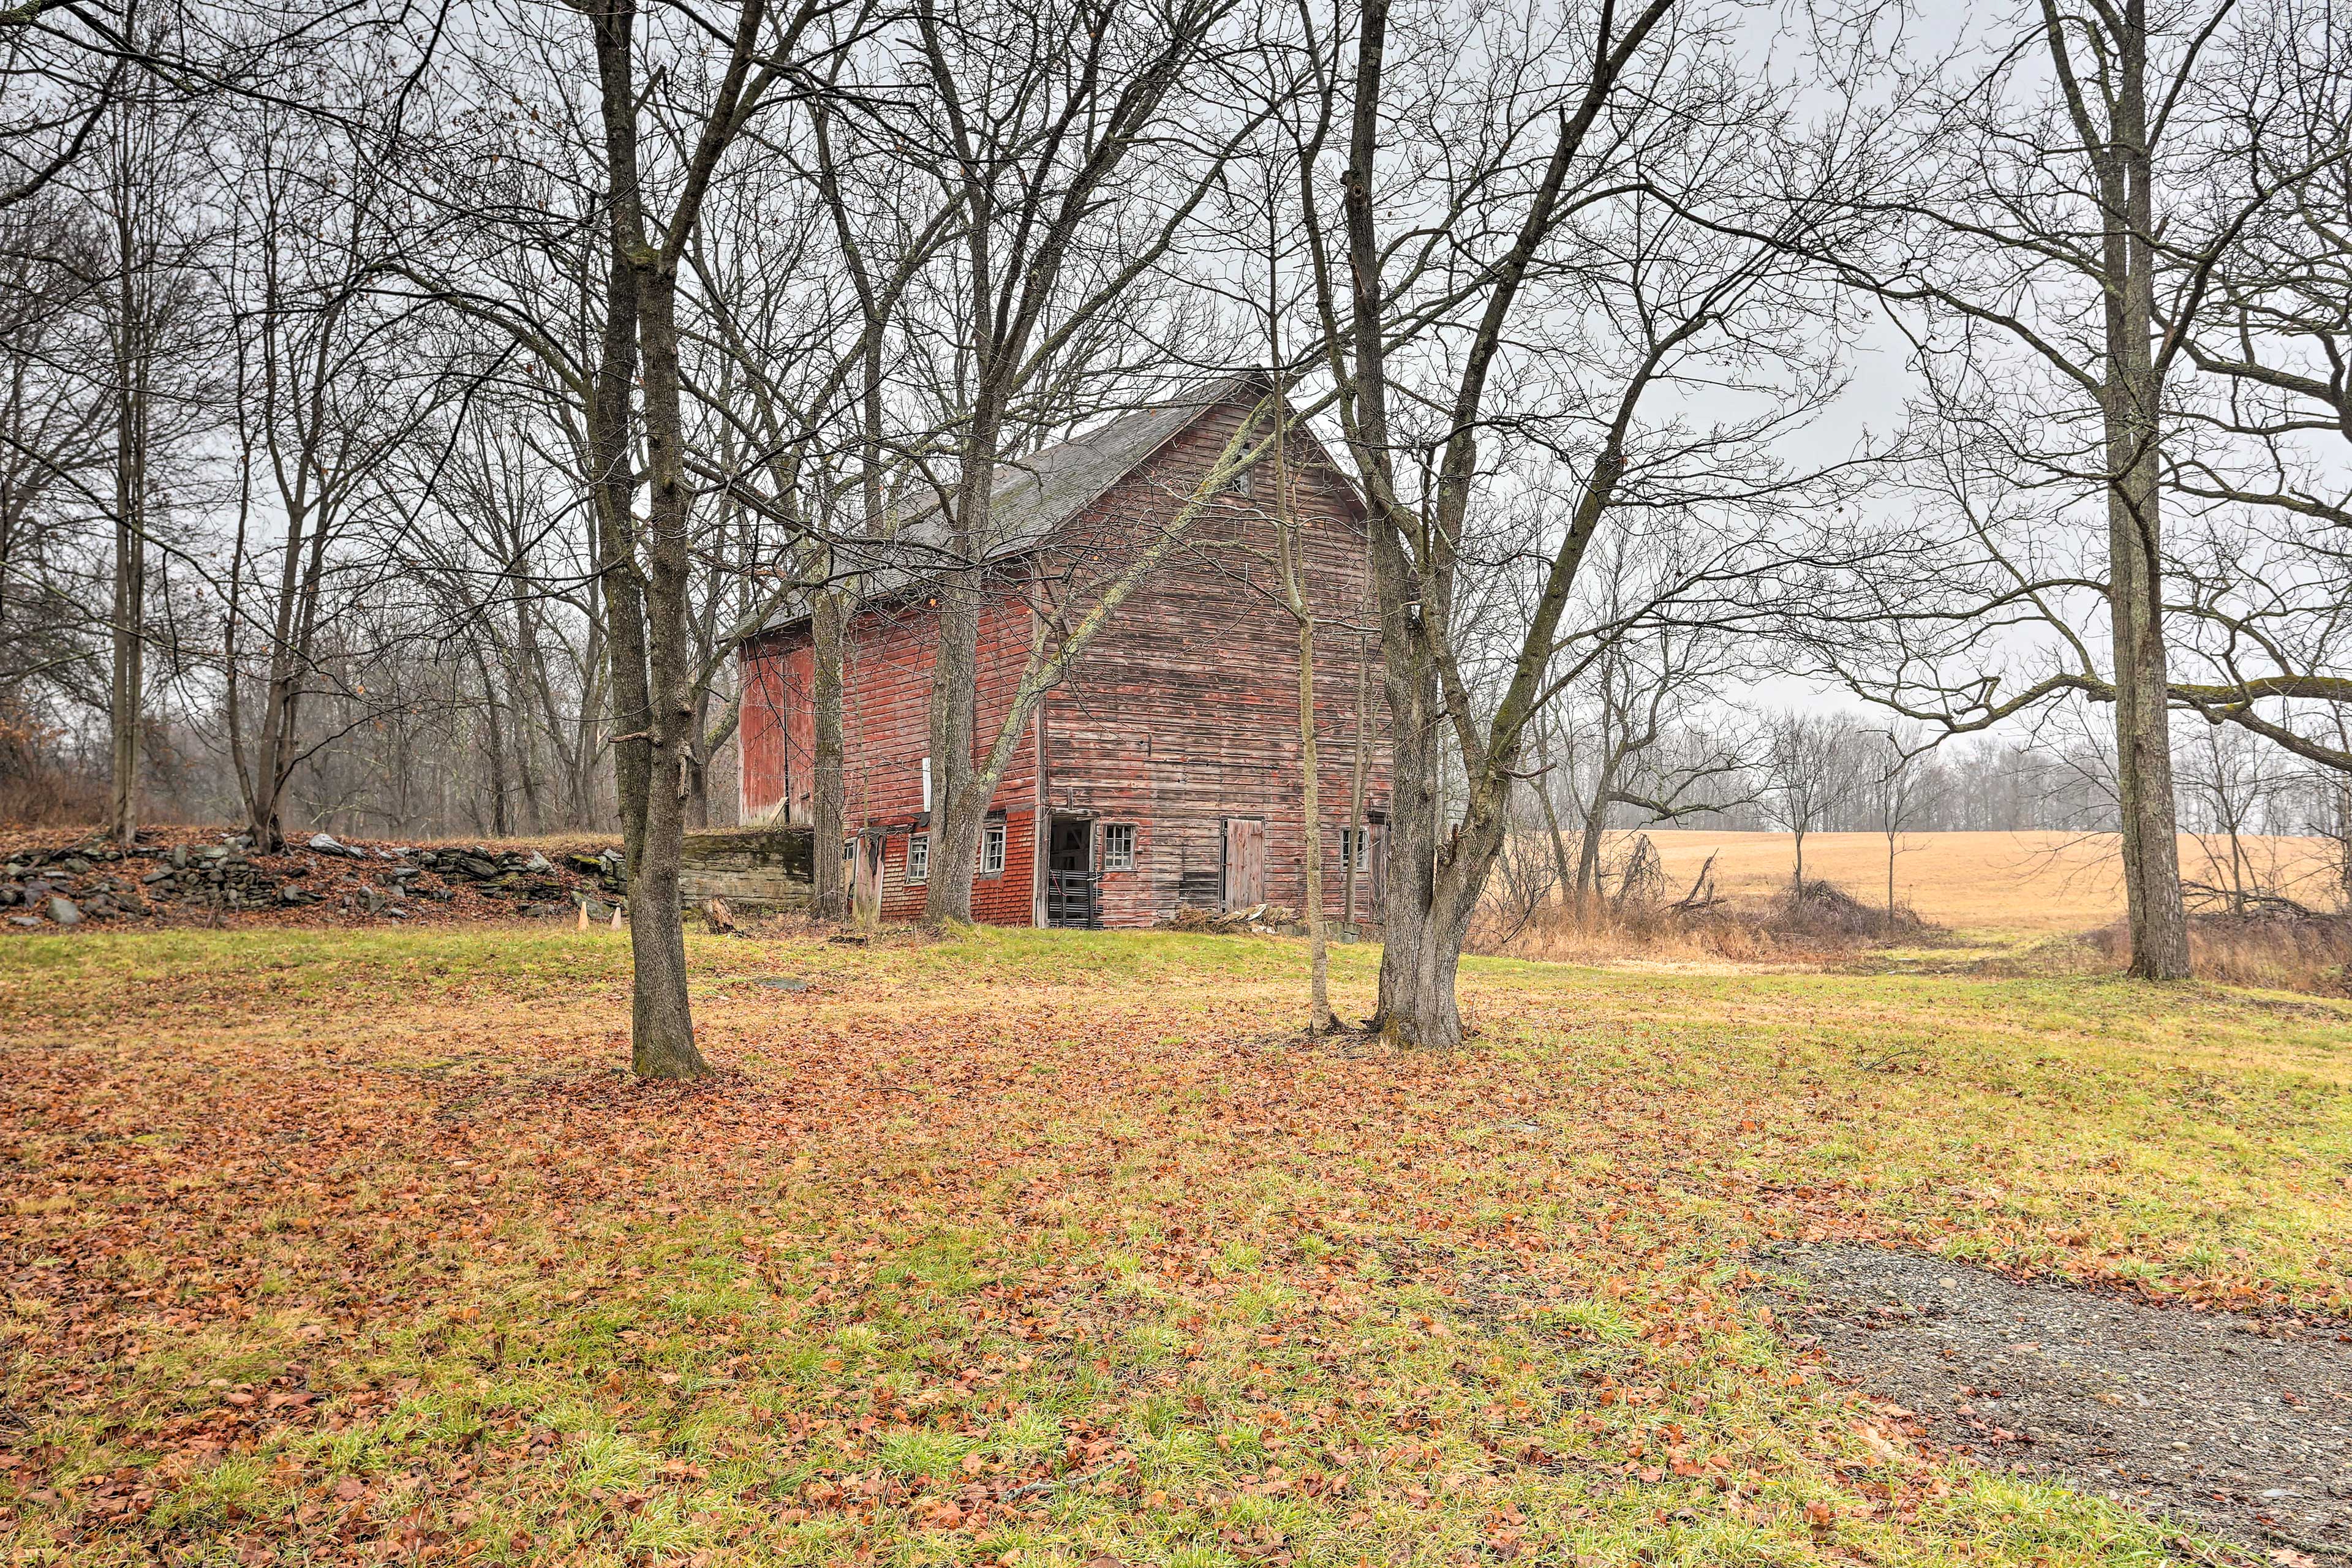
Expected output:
(135, 307)
(1890, 882)
(956, 815)
(516, 663)
(126, 696)
(648, 612)
(1290, 554)
(831, 619)
(1596, 814)
(494, 732)
(828, 795)
(296, 615)
(1319, 950)
(695, 787)
(1588, 855)
(1569, 886)
(1417, 1005)
(2131, 394)
(1355, 787)
(661, 1044)
(2151, 843)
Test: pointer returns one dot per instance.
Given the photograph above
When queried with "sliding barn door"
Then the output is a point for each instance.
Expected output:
(1244, 862)
(866, 879)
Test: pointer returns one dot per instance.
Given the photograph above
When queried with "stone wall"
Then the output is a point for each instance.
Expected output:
(749, 868)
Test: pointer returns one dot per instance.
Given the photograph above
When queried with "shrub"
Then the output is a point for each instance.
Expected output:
(2274, 949)
(1820, 920)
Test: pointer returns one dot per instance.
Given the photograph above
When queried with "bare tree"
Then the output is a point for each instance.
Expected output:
(2266, 433)
(1903, 790)
(1547, 230)
(647, 567)
(323, 411)
(1296, 598)
(2233, 780)
(812, 368)
(53, 463)
(1813, 766)
(147, 299)
(2058, 236)
(1045, 123)
(1648, 664)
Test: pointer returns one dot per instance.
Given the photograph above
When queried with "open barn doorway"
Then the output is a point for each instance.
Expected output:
(1072, 890)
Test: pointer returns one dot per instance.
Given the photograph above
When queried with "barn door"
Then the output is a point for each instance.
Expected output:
(866, 879)
(1244, 862)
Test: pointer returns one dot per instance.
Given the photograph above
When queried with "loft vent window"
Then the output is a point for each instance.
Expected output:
(1119, 847)
(992, 851)
(919, 857)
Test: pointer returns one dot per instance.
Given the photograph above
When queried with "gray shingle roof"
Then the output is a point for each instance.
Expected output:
(1038, 493)
(1035, 494)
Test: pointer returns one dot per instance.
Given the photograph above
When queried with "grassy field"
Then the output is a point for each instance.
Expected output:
(1049, 1248)
(2018, 882)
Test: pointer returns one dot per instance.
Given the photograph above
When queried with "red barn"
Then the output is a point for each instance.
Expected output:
(1163, 772)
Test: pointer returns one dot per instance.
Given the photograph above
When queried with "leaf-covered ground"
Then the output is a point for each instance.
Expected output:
(328, 1245)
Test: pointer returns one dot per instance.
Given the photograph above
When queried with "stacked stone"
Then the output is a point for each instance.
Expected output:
(92, 881)
(609, 869)
(531, 881)
(97, 881)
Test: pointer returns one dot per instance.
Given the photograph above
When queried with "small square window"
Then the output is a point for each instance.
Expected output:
(992, 851)
(919, 857)
(1119, 847)
(848, 851)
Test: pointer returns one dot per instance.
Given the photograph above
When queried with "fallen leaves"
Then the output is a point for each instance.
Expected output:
(1180, 1285)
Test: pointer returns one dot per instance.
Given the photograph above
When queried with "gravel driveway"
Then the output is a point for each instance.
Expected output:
(2241, 1427)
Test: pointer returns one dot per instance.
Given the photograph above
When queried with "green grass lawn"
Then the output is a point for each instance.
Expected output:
(1045, 1248)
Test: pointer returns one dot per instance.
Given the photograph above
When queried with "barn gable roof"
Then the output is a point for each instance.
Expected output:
(1037, 493)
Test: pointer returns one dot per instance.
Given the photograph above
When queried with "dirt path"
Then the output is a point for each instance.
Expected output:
(2242, 1428)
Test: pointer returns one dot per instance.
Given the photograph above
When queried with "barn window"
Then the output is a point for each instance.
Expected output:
(919, 857)
(926, 783)
(1357, 841)
(992, 851)
(1119, 847)
(849, 851)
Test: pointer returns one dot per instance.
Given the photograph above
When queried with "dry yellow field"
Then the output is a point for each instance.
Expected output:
(2012, 882)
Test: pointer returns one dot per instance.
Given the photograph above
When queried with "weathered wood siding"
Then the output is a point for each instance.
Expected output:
(1183, 713)
(1186, 710)
(778, 735)
(886, 725)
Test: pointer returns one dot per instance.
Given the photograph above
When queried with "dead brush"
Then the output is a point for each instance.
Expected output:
(1824, 915)
(2271, 950)
(1819, 920)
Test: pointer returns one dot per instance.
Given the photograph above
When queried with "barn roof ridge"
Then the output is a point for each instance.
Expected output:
(1055, 483)
(1038, 493)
